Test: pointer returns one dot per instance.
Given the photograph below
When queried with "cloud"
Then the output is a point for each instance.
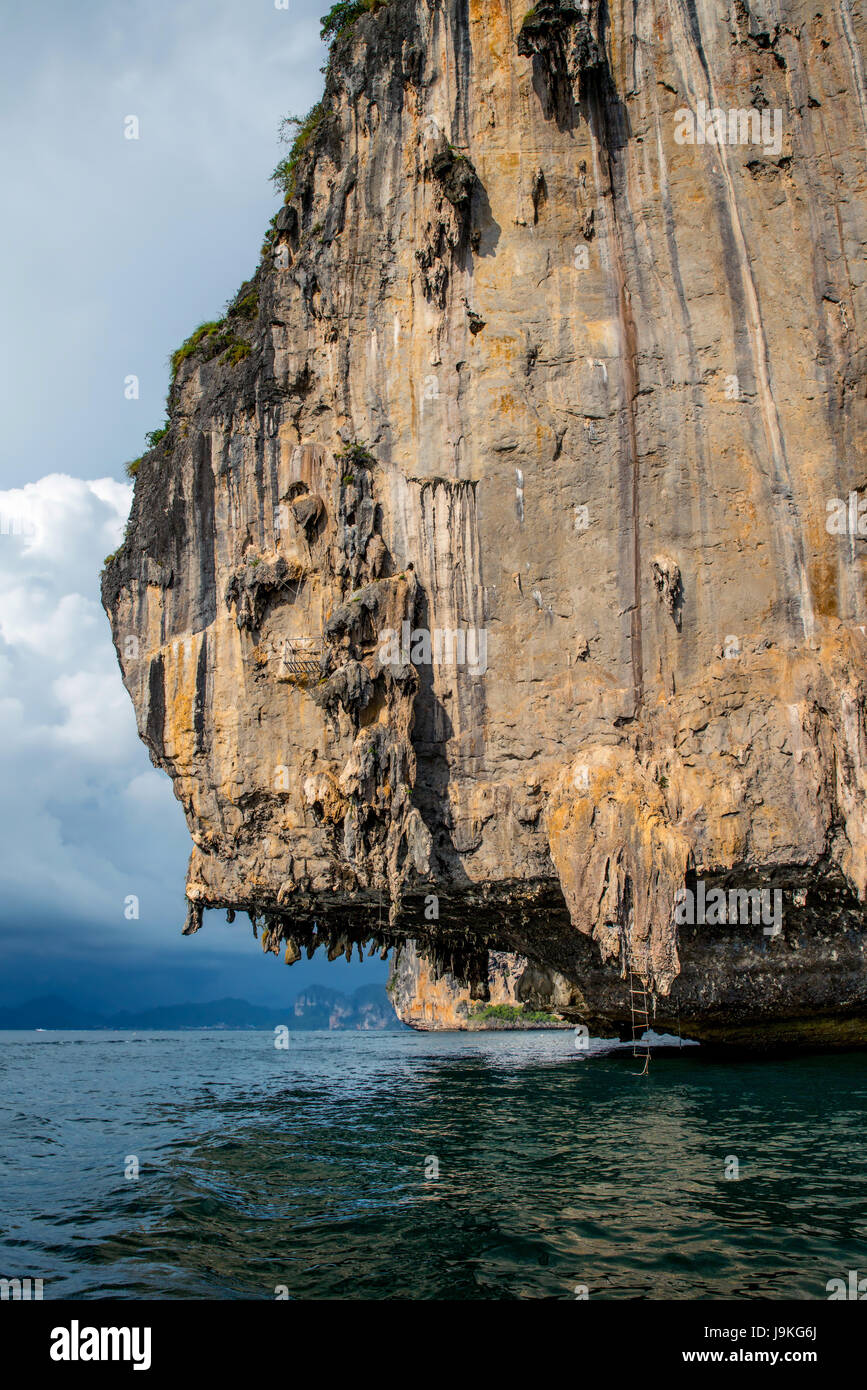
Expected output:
(72, 835)
(122, 247)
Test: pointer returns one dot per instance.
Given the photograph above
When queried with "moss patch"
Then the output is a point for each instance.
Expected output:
(195, 340)
(212, 340)
(153, 439)
(237, 352)
(247, 307)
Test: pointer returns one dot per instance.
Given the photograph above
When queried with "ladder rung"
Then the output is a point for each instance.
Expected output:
(639, 1006)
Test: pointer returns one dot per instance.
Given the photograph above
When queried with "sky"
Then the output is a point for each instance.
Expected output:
(112, 250)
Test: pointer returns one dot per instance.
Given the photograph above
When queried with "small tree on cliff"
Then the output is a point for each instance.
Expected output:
(344, 14)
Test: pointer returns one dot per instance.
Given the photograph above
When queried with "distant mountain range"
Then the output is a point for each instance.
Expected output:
(366, 1009)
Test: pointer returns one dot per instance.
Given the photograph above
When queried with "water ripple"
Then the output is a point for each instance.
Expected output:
(422, 1166)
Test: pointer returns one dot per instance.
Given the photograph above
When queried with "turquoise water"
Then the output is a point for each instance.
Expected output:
(309, 1169)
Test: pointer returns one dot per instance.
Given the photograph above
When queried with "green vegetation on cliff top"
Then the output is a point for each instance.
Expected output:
(343, 15)
(210, 340)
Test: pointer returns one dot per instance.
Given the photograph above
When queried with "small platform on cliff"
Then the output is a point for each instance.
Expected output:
(301, 659)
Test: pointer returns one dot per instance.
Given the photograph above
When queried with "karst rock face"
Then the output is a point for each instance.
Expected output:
(435, 1002)
(548, 363)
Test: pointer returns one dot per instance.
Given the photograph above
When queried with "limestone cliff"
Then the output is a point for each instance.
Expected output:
(435, 1002)
(502, 571)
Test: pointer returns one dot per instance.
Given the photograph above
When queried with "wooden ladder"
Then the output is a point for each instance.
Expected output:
(639, 1006)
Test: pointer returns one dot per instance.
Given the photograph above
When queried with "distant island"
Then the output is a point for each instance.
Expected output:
(366, 1010)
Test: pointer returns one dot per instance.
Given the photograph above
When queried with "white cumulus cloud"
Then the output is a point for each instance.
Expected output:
(73, 773)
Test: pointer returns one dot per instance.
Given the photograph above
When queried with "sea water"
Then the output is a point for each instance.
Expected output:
(407, 1165)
